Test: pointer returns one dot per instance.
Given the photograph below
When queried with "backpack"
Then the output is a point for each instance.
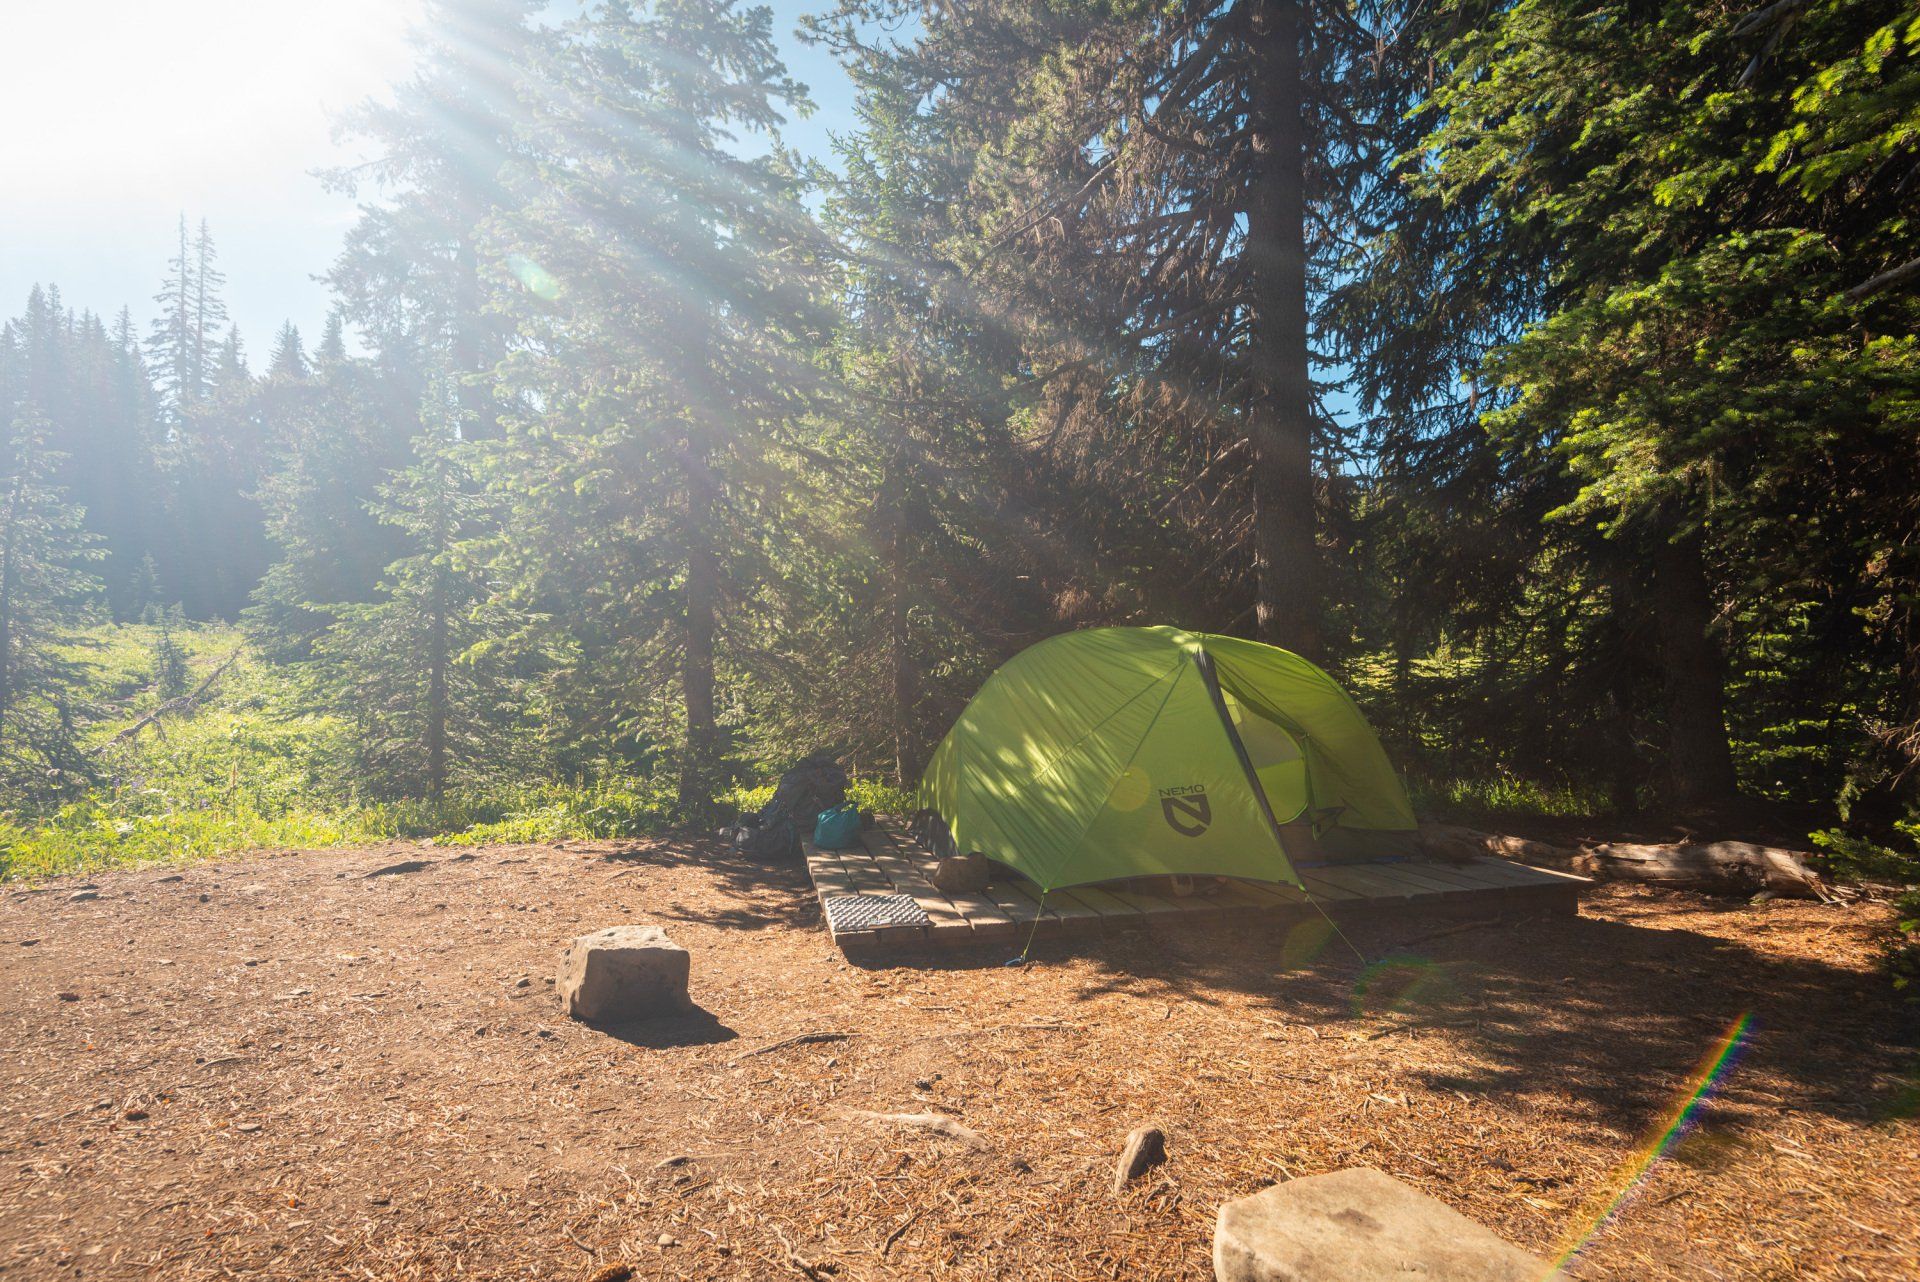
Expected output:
(838, 828)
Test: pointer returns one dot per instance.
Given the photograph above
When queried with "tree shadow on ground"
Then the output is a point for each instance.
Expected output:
(1608, 1017)
(751, 894)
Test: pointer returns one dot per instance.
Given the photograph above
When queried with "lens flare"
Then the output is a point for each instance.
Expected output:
(537, 279)
(1711, 1072)
(1398, 983)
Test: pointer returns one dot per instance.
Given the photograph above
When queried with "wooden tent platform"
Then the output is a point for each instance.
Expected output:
(881, 895)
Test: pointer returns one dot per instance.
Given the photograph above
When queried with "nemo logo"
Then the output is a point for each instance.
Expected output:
(1187, 810)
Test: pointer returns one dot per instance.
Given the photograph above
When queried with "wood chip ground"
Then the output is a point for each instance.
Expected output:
(278, 1067)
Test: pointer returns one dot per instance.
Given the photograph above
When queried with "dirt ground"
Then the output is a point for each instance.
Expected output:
(282, 1067)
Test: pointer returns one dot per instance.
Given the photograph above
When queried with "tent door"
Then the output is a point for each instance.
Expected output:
(1279, 768)
(1277, 771)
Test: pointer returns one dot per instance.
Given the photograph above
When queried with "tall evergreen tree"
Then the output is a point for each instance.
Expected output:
(410, 274)
(180, 373)
(667, 298)
(45, 591)
(289, 359)
(433, 711)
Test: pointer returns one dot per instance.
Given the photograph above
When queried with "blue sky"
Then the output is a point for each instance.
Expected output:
(127, 113)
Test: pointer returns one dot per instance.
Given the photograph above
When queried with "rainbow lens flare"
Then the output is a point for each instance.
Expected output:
(1680, 1119)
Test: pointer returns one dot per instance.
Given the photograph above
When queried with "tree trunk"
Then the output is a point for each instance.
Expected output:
(7, 577)
(437, 688)
(905, 765)
(696, 665)
(1694, 672)
(1280, 408)
(479, 419)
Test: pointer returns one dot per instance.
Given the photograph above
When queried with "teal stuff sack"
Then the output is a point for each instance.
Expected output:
(837, 829)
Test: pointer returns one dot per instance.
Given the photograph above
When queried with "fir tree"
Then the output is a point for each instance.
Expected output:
(289, 359)
(434, 708)
(44, 594)
(666, 288)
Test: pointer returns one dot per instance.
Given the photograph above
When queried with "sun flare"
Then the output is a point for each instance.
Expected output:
(128, 92)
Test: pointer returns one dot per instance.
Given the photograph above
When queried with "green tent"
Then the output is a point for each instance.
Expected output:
(1125, 752)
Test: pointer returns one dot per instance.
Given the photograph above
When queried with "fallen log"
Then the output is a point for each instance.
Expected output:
(181, 704)
(1449, 841)
(1715, 867)
(1719, 867)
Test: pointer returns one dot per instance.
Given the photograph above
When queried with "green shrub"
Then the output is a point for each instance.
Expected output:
(1509, 796)
(1854, 859)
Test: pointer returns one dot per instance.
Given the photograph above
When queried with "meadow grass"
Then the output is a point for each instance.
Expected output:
(252, 768)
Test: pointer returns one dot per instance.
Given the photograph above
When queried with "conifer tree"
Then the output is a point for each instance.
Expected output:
(667, 293)
(433, 710)
(45, 591)
(289, 359)
(410, 274)
(180, 373)
(1695, 346)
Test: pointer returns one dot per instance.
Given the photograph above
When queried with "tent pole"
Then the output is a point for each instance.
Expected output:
(1204, 662)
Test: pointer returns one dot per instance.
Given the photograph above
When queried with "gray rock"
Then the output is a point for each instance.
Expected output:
(957, 874)
(1146, 1148)
(1359, 1225)
(623, 973)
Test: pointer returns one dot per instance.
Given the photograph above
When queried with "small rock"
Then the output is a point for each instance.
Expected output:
(205, 898)
(173, 876)
(28, 943)
(81, 896)
(68, 997)
(623, 973)
(1355, 1225)
(247, 1128)
(523, 982)
(668, 1239)
(134, 1115)
(1145, 1149)
(962, 873)
(378, 1199)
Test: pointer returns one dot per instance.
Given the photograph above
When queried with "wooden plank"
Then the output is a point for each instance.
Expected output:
(1528, 875)
(864, 873)
(1487, 874)
(889, 861)
(1273, 893)
(1240, 899)
(1465, 878)
(1101, 901)
(1143, 904)
(979, 914)
(907, 880)
(1422, 877)
(1020, 909)
(1364, 882)
(1063, 906)
(1327, 891)
(828, 877)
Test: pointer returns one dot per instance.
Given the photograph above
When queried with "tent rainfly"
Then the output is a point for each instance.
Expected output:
(1127, 752)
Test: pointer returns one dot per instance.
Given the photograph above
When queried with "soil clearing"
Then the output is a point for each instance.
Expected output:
(289, 1067)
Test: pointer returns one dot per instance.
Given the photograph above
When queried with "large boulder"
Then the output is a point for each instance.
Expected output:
(624, 973)
(1359, 1225)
